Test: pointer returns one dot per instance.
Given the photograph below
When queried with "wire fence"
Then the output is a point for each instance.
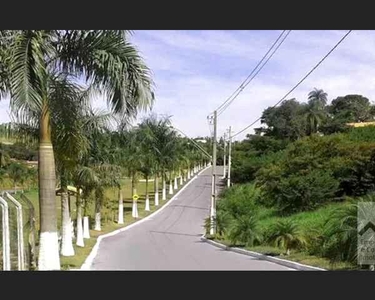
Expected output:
(17, 232)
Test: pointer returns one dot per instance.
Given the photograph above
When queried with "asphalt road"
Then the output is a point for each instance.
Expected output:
(171, 239)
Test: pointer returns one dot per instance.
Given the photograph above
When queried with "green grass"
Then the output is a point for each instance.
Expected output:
(306, 220)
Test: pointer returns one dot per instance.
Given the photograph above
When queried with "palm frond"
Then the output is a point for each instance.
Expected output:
(112, 65)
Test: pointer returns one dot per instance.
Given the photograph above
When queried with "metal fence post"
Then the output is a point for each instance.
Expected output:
(6, 235)
(20, 243)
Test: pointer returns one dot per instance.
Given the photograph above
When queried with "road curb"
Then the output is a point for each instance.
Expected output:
(260, 256)
(90, 258)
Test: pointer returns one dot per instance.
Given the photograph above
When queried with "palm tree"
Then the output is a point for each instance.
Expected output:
(33, 61)
(85, 179)
(163, 140)
(341, 232)
(285, 234)
(108, 177)
(245, 230)
(318, 97)
(314, 117)
(316, 113)
(75, 124)
(148, 158)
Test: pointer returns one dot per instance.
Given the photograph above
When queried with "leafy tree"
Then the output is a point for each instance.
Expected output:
(351, 108)
(285, 121)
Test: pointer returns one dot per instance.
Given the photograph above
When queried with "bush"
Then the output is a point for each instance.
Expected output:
(245, 230)
(315, 170)
(340, 235)
(299, 192)
(285, 234)
(238, 200)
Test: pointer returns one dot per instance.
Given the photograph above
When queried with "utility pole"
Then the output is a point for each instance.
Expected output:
(229, 156)
(213, 196)
(224, 158)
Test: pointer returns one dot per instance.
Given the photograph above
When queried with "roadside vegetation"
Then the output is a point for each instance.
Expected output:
(298, 181)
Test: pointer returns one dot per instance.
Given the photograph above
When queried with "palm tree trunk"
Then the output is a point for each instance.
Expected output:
(70, 218)
(156, 190)
(86, 227)
(79, 240)
(164, 188)
(170, 184)
(98, 201)
(48, 258)
(120, 207)
(66, 236)
(147, 205)
(134, 190)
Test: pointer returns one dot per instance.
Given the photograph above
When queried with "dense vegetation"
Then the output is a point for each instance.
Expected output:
(304, 162)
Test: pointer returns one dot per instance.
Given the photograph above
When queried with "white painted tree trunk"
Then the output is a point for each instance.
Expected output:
(72, 228)
(175, 183)
(120, 208)
(164, 196)
(79, 240)
(156, 191)
(135, 209)
(51, 247)
(147, 206)
(97, 222)
(181, 179)
(86, 227)
(170, 188)
(66, 238)
(188, 173)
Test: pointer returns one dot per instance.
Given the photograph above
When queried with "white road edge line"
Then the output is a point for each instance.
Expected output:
(88, 262)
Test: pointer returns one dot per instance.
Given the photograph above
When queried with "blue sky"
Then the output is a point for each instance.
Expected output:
(195, 71)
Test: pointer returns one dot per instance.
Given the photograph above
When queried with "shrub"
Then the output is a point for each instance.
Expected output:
(340, 234)
(299, 192)
(245, 230)
(239, 200)
(285, 234)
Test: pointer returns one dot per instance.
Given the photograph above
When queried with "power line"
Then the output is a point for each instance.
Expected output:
(303, 79)
(269, 50)
(251, 79)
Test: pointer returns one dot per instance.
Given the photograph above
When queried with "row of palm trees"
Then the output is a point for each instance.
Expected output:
(151, 149)
(39, 71)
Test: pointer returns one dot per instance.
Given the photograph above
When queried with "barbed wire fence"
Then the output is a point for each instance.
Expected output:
(17, 232)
